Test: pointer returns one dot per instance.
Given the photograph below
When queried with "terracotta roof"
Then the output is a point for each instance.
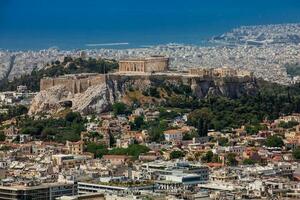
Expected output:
(214, 164)
(277, 158)
(297, 177)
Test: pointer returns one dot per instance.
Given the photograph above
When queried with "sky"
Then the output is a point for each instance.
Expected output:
(133, 20)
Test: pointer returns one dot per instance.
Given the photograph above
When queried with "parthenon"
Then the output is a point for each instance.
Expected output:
(150, 64)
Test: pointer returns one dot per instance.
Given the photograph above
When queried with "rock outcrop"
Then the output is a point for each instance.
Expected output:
(47, 101)
(94, 100)
(98, 98)
(232, 87)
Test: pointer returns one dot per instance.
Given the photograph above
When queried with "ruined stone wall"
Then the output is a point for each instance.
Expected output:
(224, 72)
(158, 65)
(244, 73)
(69, 83)
(73, 84)
(82, 85)
(201, 72)
(97, 79)
(46, 83)
(220, 72)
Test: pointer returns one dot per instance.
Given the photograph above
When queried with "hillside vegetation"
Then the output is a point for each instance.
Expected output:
(212, 112)
(218, 112)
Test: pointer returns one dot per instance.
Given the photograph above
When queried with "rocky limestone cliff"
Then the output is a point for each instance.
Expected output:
(48, 101)
(231, 87)
(94, 100)
(98, 98)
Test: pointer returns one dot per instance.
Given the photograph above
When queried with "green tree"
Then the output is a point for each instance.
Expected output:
(73, 117)
(287, 125)
(202, 128)
(249, 161)
(204, 113)
(156, 129)
(2, 136)
(189, 136)
(223, 141)
(200, 118)
(58, 130)
(296, 153)
(156, 134)
(133, 150)
(153, 92)
(176, 154)
(97, 149)
(231, 160)
(13, 111)
(48, 132)
(274, 141)
(208, 157)
(254, 129)
(136, 149)
(5, 148)
(119, 108)
(112, 140)
(138, 123)
(216, 159)
(94, 134)
(31, 130)
(167, 114)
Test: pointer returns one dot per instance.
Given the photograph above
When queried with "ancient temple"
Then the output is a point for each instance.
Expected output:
(150, 64)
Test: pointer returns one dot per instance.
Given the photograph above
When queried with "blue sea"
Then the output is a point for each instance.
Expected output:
(78, 24)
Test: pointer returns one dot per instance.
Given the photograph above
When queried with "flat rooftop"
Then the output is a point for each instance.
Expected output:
(40, 186)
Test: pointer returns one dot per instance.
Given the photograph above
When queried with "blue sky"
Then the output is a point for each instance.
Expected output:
(129, 18)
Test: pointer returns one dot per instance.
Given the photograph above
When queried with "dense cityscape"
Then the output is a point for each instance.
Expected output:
(150, 100)
(267, 54)
(126, 134)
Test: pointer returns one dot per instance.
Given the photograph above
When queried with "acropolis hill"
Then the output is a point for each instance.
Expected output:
(94, 93)
(145, 68)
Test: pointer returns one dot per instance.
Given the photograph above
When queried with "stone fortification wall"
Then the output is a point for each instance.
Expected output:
(220, 72)
(73, 83)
